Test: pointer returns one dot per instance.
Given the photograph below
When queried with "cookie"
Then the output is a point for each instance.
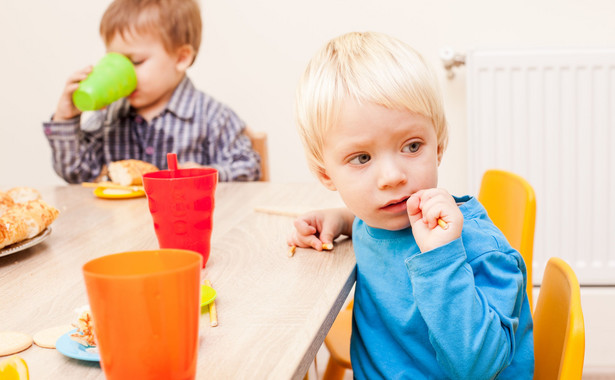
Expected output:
(47, 338)
(12, 342)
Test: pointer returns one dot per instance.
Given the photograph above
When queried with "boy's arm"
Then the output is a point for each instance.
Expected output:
(231, 153)
(472, 312)
(77, 154)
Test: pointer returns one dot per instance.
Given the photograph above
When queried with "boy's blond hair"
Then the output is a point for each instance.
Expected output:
(175, 22)
(369, 68)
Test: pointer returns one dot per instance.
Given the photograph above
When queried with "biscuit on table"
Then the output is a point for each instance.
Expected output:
(12, 342)
(47, 338)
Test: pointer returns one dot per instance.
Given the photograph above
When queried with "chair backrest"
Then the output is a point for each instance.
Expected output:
(559, 329)
(259, 144)
(510, 202)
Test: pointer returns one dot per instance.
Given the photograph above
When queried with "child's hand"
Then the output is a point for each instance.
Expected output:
(319, 227)
(425, 207)
(66, 109)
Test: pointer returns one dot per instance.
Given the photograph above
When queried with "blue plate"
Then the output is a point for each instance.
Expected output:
(72, 349)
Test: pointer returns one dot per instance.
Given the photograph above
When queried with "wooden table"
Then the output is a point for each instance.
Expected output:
(273, 311)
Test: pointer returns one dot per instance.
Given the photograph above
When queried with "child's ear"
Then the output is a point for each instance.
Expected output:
(185, 56)
(322, 176)
(440, 153)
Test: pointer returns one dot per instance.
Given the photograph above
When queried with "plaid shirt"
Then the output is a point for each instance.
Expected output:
(193, 125)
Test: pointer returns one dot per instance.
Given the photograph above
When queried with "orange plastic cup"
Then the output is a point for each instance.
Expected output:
(145, 306)
(182, 205)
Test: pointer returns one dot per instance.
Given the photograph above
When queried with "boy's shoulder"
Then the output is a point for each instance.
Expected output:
(479, 234)
(189, 102)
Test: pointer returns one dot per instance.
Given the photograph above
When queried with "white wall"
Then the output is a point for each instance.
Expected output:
(253, 53)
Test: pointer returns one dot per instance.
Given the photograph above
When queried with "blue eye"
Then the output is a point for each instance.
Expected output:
(360, 159)
(413, 147)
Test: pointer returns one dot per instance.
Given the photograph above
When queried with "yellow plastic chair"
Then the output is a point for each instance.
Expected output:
(259, 144)
(559, 329)
(510, 203)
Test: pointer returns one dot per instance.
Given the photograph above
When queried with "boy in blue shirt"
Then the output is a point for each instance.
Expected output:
(430, 301)
(165, 113)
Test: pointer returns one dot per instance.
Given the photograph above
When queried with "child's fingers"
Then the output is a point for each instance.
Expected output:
(304, 228)
(413, 207)
(80, 75)
(427, 206)
(304, 241)
(436, 205)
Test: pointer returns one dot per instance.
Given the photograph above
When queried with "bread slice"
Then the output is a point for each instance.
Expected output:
(129, 172)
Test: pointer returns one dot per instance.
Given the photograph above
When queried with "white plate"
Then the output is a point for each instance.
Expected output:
(25, 244)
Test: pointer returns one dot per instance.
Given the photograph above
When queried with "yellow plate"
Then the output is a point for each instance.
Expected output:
(108, 193)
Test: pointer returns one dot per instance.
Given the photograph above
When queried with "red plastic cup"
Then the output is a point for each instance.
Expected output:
(181, 203)
(146, 308)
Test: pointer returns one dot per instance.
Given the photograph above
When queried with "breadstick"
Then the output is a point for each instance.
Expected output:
(264, 210)
(442, 224)
(327, 246)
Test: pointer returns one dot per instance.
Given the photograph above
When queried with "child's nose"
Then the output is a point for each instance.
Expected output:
(391, 174)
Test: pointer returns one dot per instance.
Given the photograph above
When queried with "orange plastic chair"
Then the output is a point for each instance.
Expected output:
(559, 329)
(259, 144)
(511, 204)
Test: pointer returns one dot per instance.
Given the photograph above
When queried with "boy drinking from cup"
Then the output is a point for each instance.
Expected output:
(431, 301)
(165, 113)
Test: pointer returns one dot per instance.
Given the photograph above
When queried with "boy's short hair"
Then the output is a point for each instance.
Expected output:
(367, 67)
(176, 22)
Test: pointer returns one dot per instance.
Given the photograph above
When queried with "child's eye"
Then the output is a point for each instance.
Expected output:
(413, 147)
(360, 159)
(137, 63)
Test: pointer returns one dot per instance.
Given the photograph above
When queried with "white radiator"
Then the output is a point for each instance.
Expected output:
(549, 116)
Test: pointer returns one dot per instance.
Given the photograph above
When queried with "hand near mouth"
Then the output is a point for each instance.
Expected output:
(424, 208)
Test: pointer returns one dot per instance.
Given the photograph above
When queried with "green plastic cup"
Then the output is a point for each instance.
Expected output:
(112, 78)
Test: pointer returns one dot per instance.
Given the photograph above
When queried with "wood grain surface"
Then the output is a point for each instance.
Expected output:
(273, 311)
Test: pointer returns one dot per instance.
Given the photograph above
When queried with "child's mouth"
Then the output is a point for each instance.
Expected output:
(395, 206)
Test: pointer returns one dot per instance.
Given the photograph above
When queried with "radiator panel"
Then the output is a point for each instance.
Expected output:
(549, 116)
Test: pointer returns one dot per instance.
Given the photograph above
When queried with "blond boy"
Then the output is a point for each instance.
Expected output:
(165, 113)
(430, 301)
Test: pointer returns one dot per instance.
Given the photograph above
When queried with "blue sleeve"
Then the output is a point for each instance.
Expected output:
(77, 153)
(471, 311)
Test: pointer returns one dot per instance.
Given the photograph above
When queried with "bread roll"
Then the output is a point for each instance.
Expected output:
(25, 221)
(129, 172)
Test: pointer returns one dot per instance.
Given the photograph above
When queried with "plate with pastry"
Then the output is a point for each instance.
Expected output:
(25, 244)
(72, 349)
(80, 343)
(24, 220)
(125, 179)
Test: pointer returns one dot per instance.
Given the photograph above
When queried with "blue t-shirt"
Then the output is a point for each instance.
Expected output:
(459, 311)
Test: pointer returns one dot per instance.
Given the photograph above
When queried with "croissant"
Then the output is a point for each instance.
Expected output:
(129, 172)
(6, 202)
(23, 194)
(25, 220)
